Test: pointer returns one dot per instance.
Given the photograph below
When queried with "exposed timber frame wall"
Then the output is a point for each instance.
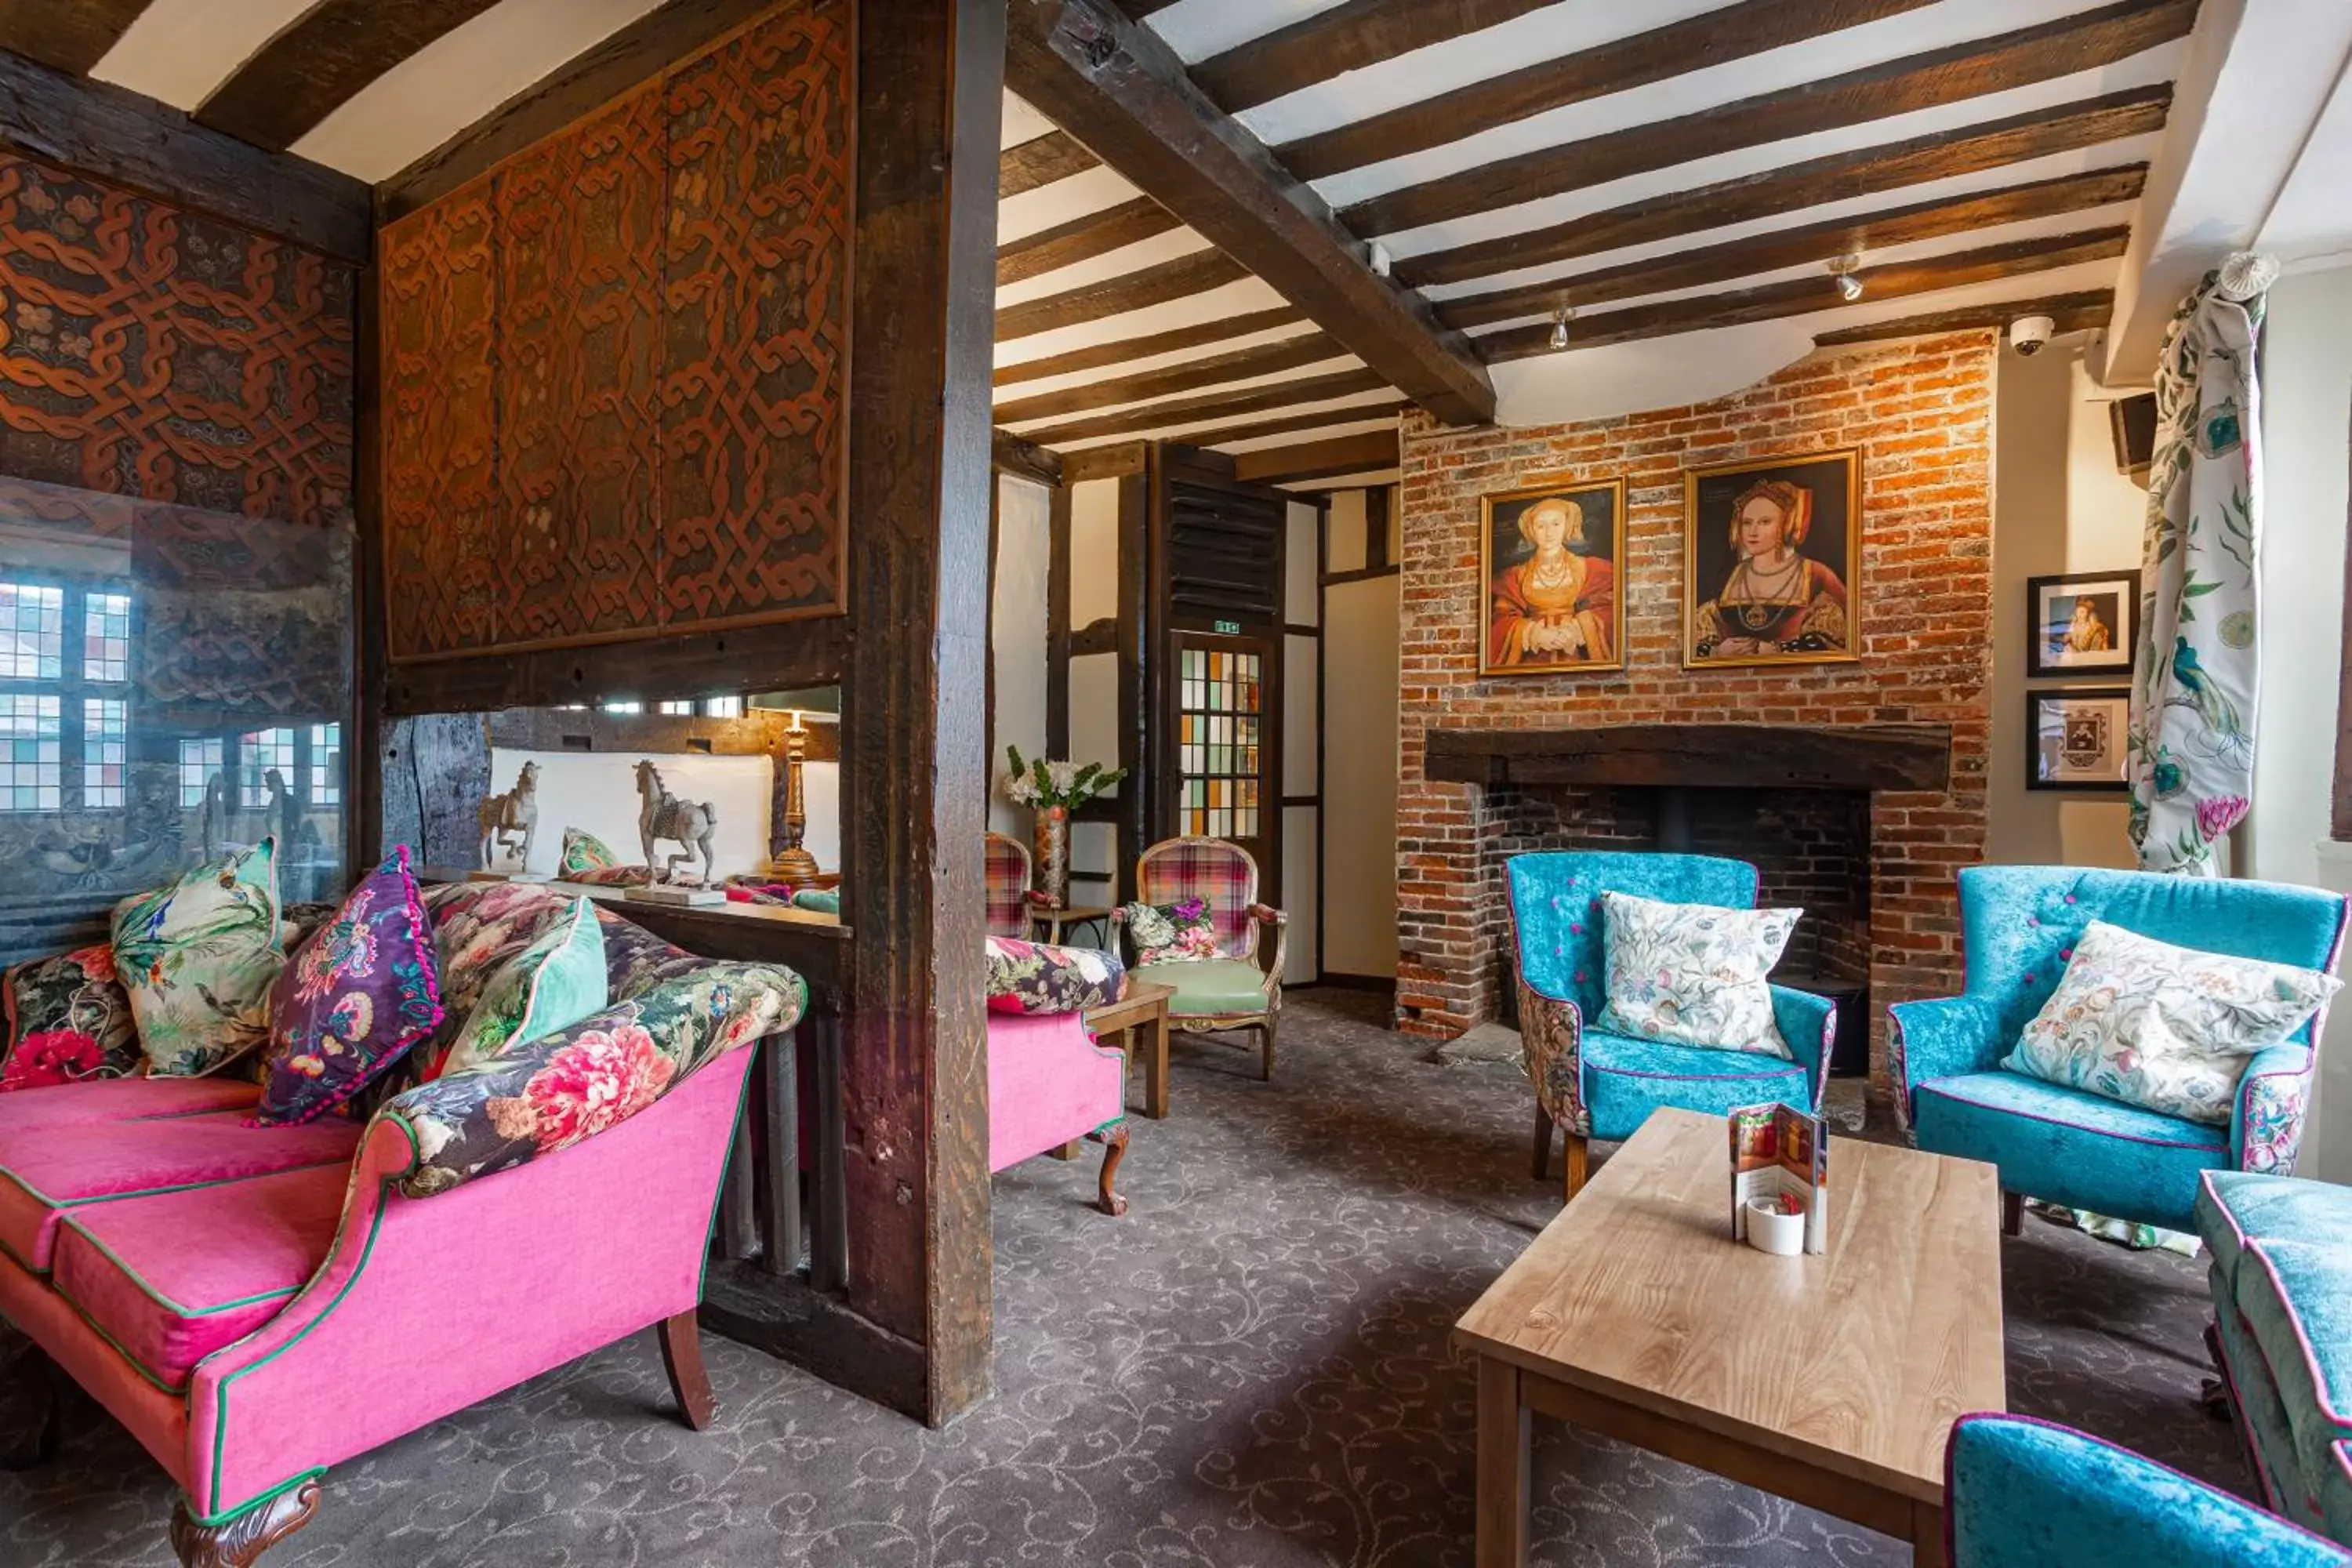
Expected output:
(908, 1321)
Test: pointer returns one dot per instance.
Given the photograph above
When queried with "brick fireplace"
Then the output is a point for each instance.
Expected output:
(1874, 857)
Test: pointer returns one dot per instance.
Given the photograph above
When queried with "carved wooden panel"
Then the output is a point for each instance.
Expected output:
(615, 369)
(440, 426)
(579, 266)
(148, 351)
(754, 429)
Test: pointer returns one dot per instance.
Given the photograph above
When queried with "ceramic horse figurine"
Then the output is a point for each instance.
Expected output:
(661, 815)
(505, 817)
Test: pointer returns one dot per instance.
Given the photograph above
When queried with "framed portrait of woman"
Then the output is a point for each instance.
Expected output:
(2081, 621)
(1773, 561)
(1553, 598)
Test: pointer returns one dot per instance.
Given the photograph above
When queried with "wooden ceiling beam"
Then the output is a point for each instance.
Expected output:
(1209, 407)
(1841, 176)
(1040, 160)
(1095, 356)
(1713, 38)
(2072, 313)
(131, 140)
(1805, 296)
(1348, 37)
(1012, 455)
(1360, 453)
(1081, 239)
(70, 36)
(1319, 419)
(2062, 48)
(1215, 370)
(1808, 242)
(322, 62)
(1196, 272)
(1083, 62)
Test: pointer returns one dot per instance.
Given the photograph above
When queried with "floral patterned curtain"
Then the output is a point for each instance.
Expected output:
(2195, 674)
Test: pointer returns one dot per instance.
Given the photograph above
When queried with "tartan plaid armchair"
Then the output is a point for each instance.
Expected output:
(1010, 897)
(1236, 989)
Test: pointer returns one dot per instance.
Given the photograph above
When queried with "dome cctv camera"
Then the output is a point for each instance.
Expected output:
(2028, 333)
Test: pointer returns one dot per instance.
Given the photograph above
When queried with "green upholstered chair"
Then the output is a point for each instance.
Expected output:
(1236, 989)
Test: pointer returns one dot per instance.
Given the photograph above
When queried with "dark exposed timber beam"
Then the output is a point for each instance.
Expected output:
(131, 139)
(1194, 273)
(2052, 50)
(1026, 459)
(1041, 161)
(1097, 355)
(2072, 313)
(1730, 33)
(322, 62)
(1364, 454)
(1795, 246)
(662, 38)
(70, 35)
(1214, 370)
(1211, 406)
(1084, 63)
(1256, 429)
(1840, 176)
(1348, 37)
(1804, 295)
(1080, 239)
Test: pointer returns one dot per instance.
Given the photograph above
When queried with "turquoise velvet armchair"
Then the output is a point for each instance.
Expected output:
(2022, 1494)
(1590, 1084)
(2019, 924)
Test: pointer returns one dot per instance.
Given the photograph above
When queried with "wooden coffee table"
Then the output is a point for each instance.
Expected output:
(1145, 1006)
(1831, 1380)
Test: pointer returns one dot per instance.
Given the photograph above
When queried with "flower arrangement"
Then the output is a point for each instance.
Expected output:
(1041, 782)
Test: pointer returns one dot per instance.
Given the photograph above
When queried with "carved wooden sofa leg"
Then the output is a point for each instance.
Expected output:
(1542, 1166)
(681, 1346)
(239, 1543)
(1578, 1154)
(2012, 1213)
(29, 1402)
(1266, 1056)
(1114, 1142)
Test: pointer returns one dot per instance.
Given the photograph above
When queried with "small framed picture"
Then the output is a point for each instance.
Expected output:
(2074, 740)
(1551, 557)
(2082, 622)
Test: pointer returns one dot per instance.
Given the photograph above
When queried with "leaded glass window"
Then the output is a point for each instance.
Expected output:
(32, 632)
(106, 637)
(32, 746)
(326, 764)
(199, 760)
(1218, 755)
(105, 752)
(264, 749)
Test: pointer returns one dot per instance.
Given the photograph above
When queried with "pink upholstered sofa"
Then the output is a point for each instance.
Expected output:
(1049, 1084)
(258, 1304)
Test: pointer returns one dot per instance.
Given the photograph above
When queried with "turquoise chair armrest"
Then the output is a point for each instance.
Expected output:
(1809, 1023)
(1943, 1036)
(2022, 1493)
(2267, 1123)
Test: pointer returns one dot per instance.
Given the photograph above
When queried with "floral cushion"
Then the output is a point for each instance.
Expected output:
(198, 958)
(1692, 975)
(1165, 932)
(360, 991)
(610, 877)
(68, 1018)
(2167, 1028)
(551, 984)
(1034, 977)
(584, 851)
(550, 1092)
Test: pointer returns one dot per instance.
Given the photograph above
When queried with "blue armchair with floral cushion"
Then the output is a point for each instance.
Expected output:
(2066, 1146)
(2020, 1493)
(1595, 1085)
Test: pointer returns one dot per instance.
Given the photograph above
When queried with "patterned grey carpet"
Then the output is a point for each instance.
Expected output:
(1250, 1369)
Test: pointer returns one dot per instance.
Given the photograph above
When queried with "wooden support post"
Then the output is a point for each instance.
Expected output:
(914, 779)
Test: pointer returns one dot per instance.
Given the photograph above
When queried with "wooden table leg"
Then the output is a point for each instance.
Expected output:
(1503, 1497)
(1927, 1536)
(1155, 1076)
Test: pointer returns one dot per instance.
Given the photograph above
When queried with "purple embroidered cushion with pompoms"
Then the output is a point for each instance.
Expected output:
(354, 998)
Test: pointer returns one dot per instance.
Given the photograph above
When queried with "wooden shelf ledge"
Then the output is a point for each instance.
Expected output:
(1718, 757)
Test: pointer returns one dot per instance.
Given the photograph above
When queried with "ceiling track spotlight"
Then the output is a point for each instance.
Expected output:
(1559, 322)
(1849, 287)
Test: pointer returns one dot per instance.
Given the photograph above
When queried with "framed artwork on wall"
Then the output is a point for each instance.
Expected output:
(2082, 622)
(1550, 560)
(2074, 740)
(1771, 560)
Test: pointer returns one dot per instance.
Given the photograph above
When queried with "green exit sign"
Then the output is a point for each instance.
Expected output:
(1229, 629)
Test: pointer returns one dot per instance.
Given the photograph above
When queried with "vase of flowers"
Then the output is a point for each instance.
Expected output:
(1054, 790)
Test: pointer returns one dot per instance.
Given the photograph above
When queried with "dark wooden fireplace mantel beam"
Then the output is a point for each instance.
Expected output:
(1727, 756)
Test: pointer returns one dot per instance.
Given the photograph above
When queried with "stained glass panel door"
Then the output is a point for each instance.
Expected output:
(1225, 739)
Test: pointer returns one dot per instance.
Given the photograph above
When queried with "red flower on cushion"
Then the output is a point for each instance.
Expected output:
(52, 1056)
(96, 962)
(600, 1080)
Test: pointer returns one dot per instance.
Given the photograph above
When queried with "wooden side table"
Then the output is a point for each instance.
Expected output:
(1057, 921)
(1145, 1006)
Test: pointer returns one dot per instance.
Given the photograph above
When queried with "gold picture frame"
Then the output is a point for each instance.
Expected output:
(1806, 608)
(1551, 617)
